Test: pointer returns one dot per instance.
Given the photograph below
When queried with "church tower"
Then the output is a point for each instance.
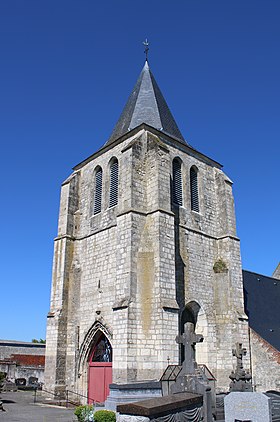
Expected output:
(146, 242)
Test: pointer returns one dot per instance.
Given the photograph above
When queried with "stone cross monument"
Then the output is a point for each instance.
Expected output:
(190, 378)
(189, 340)
(240, 379)
(239, 352)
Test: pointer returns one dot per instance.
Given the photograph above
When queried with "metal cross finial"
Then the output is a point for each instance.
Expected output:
(146, 44)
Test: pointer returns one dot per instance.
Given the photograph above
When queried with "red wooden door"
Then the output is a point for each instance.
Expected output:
(100, 370)
(100, 376)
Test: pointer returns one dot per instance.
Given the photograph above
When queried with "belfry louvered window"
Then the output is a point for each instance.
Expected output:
(177, 182)
(98, 191)
(114, 183)
(194, 189)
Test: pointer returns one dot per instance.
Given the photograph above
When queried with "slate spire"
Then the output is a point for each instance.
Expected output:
(146, 104)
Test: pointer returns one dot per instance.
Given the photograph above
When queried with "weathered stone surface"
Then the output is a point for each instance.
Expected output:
(265, 364)
(188, 340)
(131, 269)
(240, 379)
(126, 393)
(276, 272)
(132, 418)
(275, 404)
(161, 405)
(254, 407)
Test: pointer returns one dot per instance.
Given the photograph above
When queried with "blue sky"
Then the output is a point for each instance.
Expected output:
(67, 68)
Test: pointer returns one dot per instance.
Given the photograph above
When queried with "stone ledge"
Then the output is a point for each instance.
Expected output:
(134, 385)
(161, 405)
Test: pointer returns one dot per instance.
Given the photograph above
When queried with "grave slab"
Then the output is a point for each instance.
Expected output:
(247, 407)
(161, 406)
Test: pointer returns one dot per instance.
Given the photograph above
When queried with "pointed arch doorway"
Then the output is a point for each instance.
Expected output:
(99, 369)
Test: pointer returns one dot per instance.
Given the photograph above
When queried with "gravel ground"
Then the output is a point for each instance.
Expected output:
(19, 407)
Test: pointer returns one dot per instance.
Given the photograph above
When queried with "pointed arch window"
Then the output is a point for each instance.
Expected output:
(194, 189)
(114, 183)
(177, 182)
(97, 191)
(102, 351)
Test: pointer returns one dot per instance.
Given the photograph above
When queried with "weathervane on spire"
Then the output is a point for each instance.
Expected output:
(146, 44)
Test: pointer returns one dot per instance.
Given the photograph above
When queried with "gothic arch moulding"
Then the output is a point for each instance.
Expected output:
(87, 344)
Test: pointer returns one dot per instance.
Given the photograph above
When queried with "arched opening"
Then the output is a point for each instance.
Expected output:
(177, 191)
(100, 369)
(97, 191)
(194, 189)
(195, 314)
(189, 314)
(202, 350)
(114, 183)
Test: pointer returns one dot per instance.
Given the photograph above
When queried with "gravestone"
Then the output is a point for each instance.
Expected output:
(33, 381)
(275, 404)
(126, 393)
(173, 408)
(189, 339)
(21, 381)
(190, 398)
(190, 378)
(247, 407)
(240, 379)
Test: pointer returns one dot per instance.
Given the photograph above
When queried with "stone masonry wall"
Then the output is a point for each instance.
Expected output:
(131, 269)
(205, 238)
(265, 364)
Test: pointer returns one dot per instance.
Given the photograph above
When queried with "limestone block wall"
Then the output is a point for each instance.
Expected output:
(132, 269)
(203, 239)
(265, 364)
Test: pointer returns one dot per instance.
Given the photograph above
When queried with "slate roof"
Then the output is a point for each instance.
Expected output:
(17, 343)
(262, 299)
(146, 104)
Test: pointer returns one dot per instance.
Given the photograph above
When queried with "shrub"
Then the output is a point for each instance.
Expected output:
(104, 416)
(84, 413)
(2, 379)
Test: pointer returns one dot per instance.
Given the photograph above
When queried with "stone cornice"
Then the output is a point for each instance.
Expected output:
(144, 214)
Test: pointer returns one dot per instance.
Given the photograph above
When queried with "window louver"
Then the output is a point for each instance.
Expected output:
(114, 182)
(194, 190)
(177, 183)
(98, 192)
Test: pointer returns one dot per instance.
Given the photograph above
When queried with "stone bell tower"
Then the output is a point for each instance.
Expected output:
(146, 242)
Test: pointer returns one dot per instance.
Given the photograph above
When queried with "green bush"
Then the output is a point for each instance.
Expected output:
(2, 379)
(104, 416)
(84, 413)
